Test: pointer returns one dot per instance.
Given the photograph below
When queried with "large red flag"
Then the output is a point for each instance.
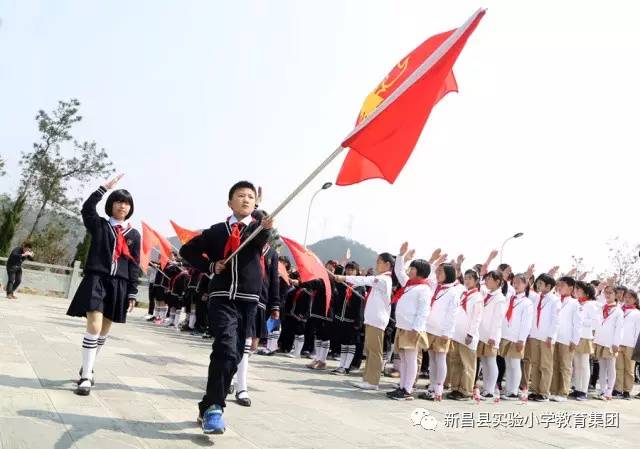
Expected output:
(184, 234)
(309, 267)
(393, 115)
(151, 239)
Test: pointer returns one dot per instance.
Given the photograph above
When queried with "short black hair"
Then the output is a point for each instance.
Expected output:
(119, 196)
(473, 273)
(241, 185)
(353, 265)
(339, 270)
(595, 282)
(571, 282)
(449, 273)
(496, 276)
(388, 258)
(423, 269)
(547, 279)
(587, 289)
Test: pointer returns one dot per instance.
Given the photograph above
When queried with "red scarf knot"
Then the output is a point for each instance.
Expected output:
(509, 313)
(401, 290)
(539, 311)
(121, 247)
(234, 240)
(465, 298)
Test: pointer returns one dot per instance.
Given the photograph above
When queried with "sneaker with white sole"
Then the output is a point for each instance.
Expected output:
(364, 385)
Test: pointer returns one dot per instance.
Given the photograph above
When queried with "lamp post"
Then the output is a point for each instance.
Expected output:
(325, 186)
(514, 236)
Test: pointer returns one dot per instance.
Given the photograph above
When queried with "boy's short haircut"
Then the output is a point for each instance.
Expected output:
(241, 185)
(547, 280)
(571, 282)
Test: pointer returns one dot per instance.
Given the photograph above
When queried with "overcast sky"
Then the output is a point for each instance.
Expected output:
(188, 97)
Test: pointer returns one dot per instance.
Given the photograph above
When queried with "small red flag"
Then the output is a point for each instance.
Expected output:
(184, 234)
(309, 267)
(393, 115)
(151, 239)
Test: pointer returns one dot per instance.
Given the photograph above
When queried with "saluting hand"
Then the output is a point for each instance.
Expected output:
(111, 184)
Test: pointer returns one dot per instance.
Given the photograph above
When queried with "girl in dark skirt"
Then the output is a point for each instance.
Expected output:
(110, 282)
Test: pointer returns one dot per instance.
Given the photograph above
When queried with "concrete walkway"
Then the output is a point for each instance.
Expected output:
(149, 380)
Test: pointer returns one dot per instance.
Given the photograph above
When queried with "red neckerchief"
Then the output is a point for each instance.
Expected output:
(487, 298)
(348, 294)
(583, 299)
(606, 310)
(631, 307)
(435, 296)
(465, 297)
(121, 247)
(539, 310)
(401, 290)
(509, 313)
(562, 298)
(235, 238)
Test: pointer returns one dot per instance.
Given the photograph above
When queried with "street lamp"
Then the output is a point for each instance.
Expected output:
(325, 186)
(514, 236)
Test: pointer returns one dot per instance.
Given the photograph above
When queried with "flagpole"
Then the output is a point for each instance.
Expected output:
(291, 196)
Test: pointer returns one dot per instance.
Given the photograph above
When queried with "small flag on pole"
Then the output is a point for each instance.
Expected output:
(184, 234)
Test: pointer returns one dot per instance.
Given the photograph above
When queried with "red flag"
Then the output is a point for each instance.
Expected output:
(393, 115)
(183, 234)
(151, 239)
(309, 267)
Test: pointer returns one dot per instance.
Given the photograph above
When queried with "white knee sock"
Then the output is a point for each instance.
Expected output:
(324, 350)
(176, 318)
(607, 376)
(272, 341)
(317, 349)
(513, 374)
(582, 372)
(102, 339)
(298, 343)
(351, 353)
(489, 374)
(343, 356)
(192, 318)
(410, 367)
(432, 371)
(89, 350)
(441, 371)
(243, 369)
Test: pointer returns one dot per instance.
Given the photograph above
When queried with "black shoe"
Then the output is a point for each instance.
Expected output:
(84, 387)
(245, 402)
(427, 395)
(402, 396)
(541, 398)
(397, 391)
(532, 396)
(574, 394)
(151, 319)
(93, 377)
(616, 394)
(454, 395)
(486, 396)
(232, 389)
(626, 395)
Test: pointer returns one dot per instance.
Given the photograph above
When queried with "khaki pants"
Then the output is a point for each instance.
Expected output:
(462, 366)
(624, 369)
(373, 343)
(526, 366)
(562, 367)
(541, 366)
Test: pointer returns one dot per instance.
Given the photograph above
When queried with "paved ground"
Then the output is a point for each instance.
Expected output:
(149, 380)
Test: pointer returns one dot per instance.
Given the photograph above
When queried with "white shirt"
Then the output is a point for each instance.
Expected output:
(441, 319)
(113, 222)
(591, 312)
(520, 325)
(569, 322)
(492, 316)
(377, 310)
(549, 312)
(245, 221)
(630, 327)
(467, 321)
(413, 306)
(609, 330)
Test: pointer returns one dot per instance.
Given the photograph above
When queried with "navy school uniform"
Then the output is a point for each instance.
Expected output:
(269, 294)
(178, 288)
(298, 308)
(107, 285)
(233, 298)
(320, 318)
(348, 311)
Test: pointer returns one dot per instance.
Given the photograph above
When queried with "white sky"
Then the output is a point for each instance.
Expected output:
(189, 97)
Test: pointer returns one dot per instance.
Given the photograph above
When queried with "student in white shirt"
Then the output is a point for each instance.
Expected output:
(412, 308)
(544, 328)
(490, 332)
(607, 341)
(630, 332)
(567, 339)
(590, 311)
(515, 330)
(440, 324)
(508, 291)
(462, 354)
(377, 312)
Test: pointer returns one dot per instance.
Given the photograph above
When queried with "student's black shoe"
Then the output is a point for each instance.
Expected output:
(84, 387)
(151, 318)
(616, 394)
(402, 396)
(454, 395)
(574, 394)
(245, 402)
(541, 398)
(93, 377)
(626, 395)
(532, 396)
(397, 391)
(232, 389)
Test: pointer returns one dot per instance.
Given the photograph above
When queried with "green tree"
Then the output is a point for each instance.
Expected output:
(2, 171)
(82, 250)
(48, 244)
(10, 218)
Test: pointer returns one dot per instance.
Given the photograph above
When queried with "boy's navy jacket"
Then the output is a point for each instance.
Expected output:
(270, 293)
(242, 278)
(103, 242)
(351, 311)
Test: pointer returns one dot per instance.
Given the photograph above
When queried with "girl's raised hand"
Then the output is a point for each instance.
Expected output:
(111, 184)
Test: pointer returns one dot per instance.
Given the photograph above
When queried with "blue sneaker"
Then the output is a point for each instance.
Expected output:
(212, 421)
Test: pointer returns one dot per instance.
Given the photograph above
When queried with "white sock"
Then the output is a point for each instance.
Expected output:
(441, 371)
(395, 358)
(89, 350)
(272, 341)
(298, 343)
(432, 371)
(324, 350)
(317, 352)
(176, 318)
(581, 371)
(343, 356)
(489, 374)
(102, 339)
(351, 353)
(192, 318)
(243, 369)
(410, 367)
(513, 374)
(607, 375)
